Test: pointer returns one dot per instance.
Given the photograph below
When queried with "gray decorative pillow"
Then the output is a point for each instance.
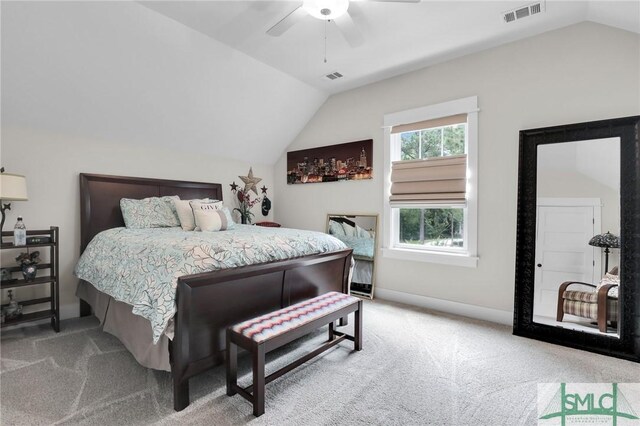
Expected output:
(230, 223)
(152, 212)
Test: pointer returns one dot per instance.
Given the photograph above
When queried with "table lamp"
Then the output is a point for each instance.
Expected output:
(12, 188)
(607, 241)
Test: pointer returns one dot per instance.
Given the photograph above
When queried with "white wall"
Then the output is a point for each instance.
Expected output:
(116, 88)
(51, 162)
(586, 169)
(580, 73)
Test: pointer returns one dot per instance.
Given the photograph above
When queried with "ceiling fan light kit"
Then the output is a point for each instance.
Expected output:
(326, 9)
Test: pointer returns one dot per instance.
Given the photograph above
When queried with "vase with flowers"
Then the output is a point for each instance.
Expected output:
(246, 203)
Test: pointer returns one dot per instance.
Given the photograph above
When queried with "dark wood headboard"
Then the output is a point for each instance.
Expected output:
(100, 198)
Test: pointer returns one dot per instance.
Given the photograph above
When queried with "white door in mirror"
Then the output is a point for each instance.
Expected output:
(562, 253)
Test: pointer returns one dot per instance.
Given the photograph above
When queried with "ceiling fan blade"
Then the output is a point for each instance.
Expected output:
(287, 22)
(349, 30)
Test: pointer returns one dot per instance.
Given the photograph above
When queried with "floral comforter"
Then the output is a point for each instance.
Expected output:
(362, 247)
(141, 267)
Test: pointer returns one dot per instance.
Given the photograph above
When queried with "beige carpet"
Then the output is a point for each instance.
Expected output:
(417, 367)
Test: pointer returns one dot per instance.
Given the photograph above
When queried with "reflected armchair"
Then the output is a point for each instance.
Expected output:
(600, 305)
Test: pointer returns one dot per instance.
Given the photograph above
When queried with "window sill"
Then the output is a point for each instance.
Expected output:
(431, 257)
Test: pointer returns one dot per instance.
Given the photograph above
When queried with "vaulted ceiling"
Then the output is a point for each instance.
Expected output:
(204, 77)
(398, 37)
(119, 73)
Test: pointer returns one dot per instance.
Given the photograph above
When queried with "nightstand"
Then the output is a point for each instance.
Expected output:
(51, 302)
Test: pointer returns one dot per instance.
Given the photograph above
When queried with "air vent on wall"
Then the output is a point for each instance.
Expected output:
(523, 12)
(334, 75)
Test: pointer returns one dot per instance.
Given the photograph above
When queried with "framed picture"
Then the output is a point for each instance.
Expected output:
(333, 163)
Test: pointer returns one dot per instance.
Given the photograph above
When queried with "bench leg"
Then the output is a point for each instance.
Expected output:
(357, 341)
(231, 366)
(258, 380)
(331, 330)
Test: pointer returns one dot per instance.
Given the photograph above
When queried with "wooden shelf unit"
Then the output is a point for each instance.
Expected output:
(52, 278)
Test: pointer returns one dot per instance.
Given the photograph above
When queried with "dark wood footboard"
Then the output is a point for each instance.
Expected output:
(209, 303)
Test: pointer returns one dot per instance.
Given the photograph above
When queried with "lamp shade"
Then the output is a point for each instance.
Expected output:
(13, 187)
(605, 240)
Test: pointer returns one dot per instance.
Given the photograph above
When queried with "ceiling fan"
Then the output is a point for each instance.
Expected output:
(327, 10)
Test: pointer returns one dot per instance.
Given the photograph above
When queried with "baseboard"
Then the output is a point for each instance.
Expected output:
(457, 308)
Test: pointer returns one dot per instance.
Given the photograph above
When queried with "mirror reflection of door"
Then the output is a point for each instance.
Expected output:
(359, 233)
(561, 252)
(578, 193)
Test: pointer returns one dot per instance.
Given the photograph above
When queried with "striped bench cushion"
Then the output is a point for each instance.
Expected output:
(276, 323)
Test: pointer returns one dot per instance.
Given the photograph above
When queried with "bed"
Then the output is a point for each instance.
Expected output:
(206, 303)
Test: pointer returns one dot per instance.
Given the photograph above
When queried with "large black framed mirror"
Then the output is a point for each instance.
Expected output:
(578, 236)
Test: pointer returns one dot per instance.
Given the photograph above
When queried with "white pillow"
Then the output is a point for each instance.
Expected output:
(610, 279)
(205, 204)
(210, 206)
(185, 213)
(210, 219)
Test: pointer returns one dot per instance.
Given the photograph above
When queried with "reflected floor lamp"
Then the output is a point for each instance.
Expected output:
(608, 241)
(12, 188)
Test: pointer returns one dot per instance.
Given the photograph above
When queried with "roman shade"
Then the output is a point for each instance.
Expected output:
(430, 124)
(438, 180)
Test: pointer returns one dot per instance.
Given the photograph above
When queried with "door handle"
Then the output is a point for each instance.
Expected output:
(539, 265)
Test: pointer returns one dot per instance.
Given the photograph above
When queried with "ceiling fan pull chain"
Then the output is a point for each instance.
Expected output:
(325, 41)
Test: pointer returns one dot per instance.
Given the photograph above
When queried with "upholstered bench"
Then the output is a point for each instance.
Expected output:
(271, 331)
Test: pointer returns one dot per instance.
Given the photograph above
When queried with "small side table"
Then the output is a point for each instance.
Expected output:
(52, 278)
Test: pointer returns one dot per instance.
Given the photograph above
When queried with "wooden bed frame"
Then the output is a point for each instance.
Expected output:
(210, 302)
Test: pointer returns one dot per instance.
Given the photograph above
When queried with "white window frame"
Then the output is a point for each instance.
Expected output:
(391, 248)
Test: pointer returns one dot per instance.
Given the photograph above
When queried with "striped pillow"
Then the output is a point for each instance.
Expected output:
(211, 217)
(210, 220)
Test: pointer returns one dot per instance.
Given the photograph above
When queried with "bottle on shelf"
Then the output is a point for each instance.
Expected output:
(20, 233)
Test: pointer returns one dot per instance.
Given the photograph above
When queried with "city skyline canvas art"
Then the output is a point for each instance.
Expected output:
(332, 163)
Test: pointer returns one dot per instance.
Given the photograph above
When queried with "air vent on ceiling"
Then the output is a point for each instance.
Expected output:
(334, 75)
(523, 12)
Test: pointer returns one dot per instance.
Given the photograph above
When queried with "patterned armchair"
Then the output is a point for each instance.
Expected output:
(600, 305)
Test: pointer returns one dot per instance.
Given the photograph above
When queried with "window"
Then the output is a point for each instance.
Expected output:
(431, 182)
(435, 142)
(432, 227)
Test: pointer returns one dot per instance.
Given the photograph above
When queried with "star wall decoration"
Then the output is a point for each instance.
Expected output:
(250, 181)
(234, 186)
(263, 189)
